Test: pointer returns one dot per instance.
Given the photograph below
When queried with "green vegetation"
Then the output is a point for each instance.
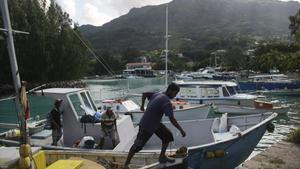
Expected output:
(294, 136)
(295, 25)
(51, 52)
(199, 28)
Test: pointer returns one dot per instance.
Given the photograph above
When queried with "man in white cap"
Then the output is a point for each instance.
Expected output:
(109, 128)
(56, 126)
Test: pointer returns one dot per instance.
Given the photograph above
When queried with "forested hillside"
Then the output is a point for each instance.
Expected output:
(207, 24)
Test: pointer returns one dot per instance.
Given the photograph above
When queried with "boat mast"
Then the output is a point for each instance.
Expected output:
(11, 50)
(13, 63)
(166, 51)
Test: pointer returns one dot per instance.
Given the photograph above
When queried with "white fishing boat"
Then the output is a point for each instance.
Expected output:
(230, 140)
(224, 95)
(138, 70)
(182, 110)
(206, 73)
(183, 76)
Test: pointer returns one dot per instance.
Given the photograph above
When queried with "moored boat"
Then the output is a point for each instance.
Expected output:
(224, 95)
(278, 84)
(207, 148)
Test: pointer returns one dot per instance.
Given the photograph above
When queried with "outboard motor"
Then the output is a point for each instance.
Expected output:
(87, 142)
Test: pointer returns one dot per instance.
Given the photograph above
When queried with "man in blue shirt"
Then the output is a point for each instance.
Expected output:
(150, 123)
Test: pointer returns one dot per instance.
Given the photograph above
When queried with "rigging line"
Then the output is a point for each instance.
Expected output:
(29, 91)
(106, 67)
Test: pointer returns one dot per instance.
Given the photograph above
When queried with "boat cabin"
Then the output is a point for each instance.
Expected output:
(78, 102)
(207, 91)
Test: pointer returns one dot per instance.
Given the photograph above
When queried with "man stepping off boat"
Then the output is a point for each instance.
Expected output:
(150, 123)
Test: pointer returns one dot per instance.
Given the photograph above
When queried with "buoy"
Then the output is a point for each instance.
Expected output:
(24, 163)
(25, 150)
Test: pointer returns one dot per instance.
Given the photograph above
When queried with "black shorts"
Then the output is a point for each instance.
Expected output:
(143, 136)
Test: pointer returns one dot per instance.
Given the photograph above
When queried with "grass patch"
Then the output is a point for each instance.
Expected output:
(294, 136)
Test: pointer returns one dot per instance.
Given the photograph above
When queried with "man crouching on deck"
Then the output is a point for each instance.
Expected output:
(151, 123)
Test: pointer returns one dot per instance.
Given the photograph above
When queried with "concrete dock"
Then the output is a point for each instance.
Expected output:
(282, 155)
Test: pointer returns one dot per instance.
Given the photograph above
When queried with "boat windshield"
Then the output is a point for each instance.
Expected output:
(75, 101)
(84, 105)
(87, 100)
(91, 100)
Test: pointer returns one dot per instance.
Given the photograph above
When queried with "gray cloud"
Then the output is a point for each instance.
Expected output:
(98, 12)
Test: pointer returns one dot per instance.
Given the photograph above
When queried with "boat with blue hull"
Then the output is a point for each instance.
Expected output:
(225, 97)
(236, 151)
(221, 150)
(271, 83)
(211, 142)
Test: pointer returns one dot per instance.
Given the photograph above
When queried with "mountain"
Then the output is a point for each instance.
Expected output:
(194, 22)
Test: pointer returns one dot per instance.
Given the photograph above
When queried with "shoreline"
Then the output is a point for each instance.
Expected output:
(7, 90)
(280, 155)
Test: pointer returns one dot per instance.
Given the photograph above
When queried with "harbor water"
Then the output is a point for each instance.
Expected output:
(132, 88)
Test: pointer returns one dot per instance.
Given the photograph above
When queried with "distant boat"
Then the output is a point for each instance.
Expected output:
(138, 70)
(206, 73)
(183, 76)
(225, 76)
(271, 83)
(224, 95)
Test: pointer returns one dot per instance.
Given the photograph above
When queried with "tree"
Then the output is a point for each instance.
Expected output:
(51, 51)
(234, 59)
(294, 25)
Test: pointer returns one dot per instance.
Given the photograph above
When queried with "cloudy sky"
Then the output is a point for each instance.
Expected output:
(98, 12)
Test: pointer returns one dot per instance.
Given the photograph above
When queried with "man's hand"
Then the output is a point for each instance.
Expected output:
(142, 108)
(175, 123)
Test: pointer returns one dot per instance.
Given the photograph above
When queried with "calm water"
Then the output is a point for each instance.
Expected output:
(108, 89)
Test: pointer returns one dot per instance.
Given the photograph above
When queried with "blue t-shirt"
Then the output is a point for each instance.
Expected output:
(158, 106)
(97, 115)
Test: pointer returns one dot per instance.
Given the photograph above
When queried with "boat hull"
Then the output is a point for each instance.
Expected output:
(200, 139)
(270, 86)
(283, 92)
(240, 110)
(194, 112)
(236, 151)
